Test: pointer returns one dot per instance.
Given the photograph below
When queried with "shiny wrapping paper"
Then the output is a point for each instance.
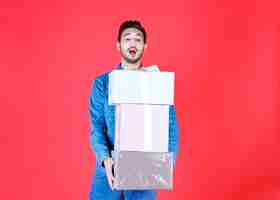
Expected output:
(136, 170)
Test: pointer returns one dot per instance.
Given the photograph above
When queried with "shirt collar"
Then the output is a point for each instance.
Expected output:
(119, 66)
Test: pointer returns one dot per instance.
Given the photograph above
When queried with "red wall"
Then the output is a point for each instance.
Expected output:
(226, 58)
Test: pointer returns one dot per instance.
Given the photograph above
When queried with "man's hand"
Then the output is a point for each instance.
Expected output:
(108, 163)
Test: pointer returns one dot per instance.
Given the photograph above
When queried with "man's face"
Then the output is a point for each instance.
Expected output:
(131, 45)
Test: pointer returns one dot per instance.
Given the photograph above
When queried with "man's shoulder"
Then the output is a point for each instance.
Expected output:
(102, 79)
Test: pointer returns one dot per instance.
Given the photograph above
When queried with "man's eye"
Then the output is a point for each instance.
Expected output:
(127, 39)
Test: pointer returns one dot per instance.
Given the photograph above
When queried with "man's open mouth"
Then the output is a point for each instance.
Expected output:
(132, 51)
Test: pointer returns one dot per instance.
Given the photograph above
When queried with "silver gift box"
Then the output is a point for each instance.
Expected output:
(135, 170)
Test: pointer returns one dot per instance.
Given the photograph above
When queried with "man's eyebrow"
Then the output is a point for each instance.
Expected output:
(126, 34)
(138, 34)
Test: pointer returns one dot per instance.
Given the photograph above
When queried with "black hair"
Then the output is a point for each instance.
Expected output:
(132, 24)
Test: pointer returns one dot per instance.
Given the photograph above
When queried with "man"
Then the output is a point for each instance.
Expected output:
(131, 44)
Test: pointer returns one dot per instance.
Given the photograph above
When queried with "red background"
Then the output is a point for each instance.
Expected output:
(226, 58)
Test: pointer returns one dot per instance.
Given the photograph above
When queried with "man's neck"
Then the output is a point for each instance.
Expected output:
(131, 66)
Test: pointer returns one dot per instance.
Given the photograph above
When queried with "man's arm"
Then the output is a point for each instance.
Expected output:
(98, 140)
(173, 142)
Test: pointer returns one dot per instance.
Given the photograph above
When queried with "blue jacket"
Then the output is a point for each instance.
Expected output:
(102, 120)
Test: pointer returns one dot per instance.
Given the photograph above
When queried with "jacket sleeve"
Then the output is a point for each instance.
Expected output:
(173, 144)
(98, 141)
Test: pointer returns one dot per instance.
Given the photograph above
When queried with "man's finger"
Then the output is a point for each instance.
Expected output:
(109, 176)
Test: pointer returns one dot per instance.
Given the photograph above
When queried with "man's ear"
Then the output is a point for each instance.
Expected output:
(118, 46)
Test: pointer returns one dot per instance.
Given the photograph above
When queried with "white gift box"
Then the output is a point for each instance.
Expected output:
(141, 87)
(141, 127)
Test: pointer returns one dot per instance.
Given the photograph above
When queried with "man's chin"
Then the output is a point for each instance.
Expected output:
(132, 61)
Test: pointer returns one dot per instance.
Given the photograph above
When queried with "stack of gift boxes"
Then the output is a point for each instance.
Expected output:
(142, 100)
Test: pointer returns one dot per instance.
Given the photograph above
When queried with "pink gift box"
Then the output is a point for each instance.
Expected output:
(141, 127)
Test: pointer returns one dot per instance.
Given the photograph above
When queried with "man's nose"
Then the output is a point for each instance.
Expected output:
(132, 43)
